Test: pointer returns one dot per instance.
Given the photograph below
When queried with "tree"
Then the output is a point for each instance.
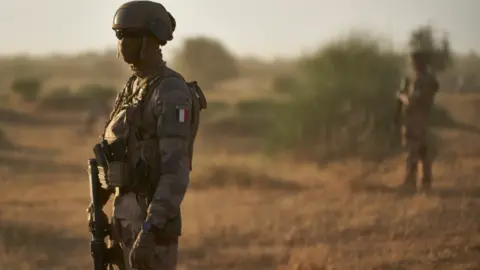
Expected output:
(206, 60)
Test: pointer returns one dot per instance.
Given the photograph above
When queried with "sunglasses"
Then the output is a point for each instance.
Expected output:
(131, 33)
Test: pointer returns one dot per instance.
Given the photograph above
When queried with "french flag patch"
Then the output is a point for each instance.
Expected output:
(182, 114)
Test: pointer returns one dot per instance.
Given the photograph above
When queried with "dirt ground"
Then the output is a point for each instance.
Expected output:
(246, 211)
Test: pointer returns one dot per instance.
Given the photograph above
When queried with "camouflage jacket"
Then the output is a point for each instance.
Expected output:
(420, 90)
(160, 136)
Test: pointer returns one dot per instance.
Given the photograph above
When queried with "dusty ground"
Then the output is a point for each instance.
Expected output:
(244, 211)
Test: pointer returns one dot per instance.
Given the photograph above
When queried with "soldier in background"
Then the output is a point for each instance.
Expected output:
(416, 99)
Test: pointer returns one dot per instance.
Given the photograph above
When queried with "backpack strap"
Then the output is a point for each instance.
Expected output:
(151, 86)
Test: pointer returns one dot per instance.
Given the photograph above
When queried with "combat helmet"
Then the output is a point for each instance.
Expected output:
(420, 55)
(145, 15)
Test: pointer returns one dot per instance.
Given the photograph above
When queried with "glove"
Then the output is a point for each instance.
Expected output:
(403, 98)
(103, 220)
(90, 218)
(141, 255)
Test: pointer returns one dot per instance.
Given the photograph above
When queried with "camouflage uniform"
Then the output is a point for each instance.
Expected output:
(420, 90)
(159, 140)
(155, 119)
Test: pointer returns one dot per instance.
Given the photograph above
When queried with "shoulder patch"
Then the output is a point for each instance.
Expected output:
(182, 113)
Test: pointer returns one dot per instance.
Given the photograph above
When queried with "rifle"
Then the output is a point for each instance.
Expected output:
(99, 225)
(398, 110)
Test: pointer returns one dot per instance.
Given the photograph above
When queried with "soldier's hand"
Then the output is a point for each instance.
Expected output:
(141, 255)
(90, 218)
(403, 98)
(103, 222)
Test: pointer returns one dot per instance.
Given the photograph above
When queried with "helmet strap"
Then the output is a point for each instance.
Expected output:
(118, 50)
(143, 48)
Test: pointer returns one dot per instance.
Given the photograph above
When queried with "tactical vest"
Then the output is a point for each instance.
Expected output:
(415, 115)
(118, 171)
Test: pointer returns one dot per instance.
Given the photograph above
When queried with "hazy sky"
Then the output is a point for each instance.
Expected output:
(267, 28)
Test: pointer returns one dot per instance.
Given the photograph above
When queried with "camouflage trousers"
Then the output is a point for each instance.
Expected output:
(418, 153)
(129, 215)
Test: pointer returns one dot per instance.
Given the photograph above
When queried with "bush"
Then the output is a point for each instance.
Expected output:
(60, 99)
(61, 92)
(217, 106)
(285, 84)
(346, 103)
(216, 109)
(27, 88)
(63, 99)
(5, 143)
(206, 60)
(97, 91)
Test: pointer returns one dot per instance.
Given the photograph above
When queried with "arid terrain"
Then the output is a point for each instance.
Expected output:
(246, 211)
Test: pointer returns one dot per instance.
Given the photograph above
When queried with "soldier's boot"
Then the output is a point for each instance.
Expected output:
(410, 183)
(426, 170)
(427, 176)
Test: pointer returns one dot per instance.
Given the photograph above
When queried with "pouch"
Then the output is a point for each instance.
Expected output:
(102, 176)
(118, 174)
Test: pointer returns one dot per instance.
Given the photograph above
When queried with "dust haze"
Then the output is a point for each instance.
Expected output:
(296, 165)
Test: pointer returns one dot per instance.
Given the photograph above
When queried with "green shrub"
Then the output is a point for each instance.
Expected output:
(27, 88)
(285, 84)
(97, 91)
(63, 99)
(206, 60)
(5, 142)
(215, 109)
(345, 101)
(259, 108)
(61, 92)
(217, 106)
(60, 99)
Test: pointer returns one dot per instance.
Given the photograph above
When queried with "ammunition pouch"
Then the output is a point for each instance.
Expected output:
(145, 175)
(113, 168)
(118, 174)
(103, 176)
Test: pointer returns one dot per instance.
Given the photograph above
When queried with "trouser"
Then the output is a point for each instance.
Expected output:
(129, 215)
(164, 255)
(418, 153)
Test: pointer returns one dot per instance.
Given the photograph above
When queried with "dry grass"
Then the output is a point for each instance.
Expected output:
(246, 211)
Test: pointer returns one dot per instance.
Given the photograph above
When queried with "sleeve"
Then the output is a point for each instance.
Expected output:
(404, 85)
(402, 93)
(172, 108)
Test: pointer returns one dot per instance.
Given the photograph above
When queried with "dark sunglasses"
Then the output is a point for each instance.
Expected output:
(130, 33)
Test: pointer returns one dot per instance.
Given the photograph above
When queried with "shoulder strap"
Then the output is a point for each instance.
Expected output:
(123, 97)
(119, 100)
(151, 85)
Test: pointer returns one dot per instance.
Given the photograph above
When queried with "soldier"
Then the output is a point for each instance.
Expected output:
(149, 139)
(417, 97)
